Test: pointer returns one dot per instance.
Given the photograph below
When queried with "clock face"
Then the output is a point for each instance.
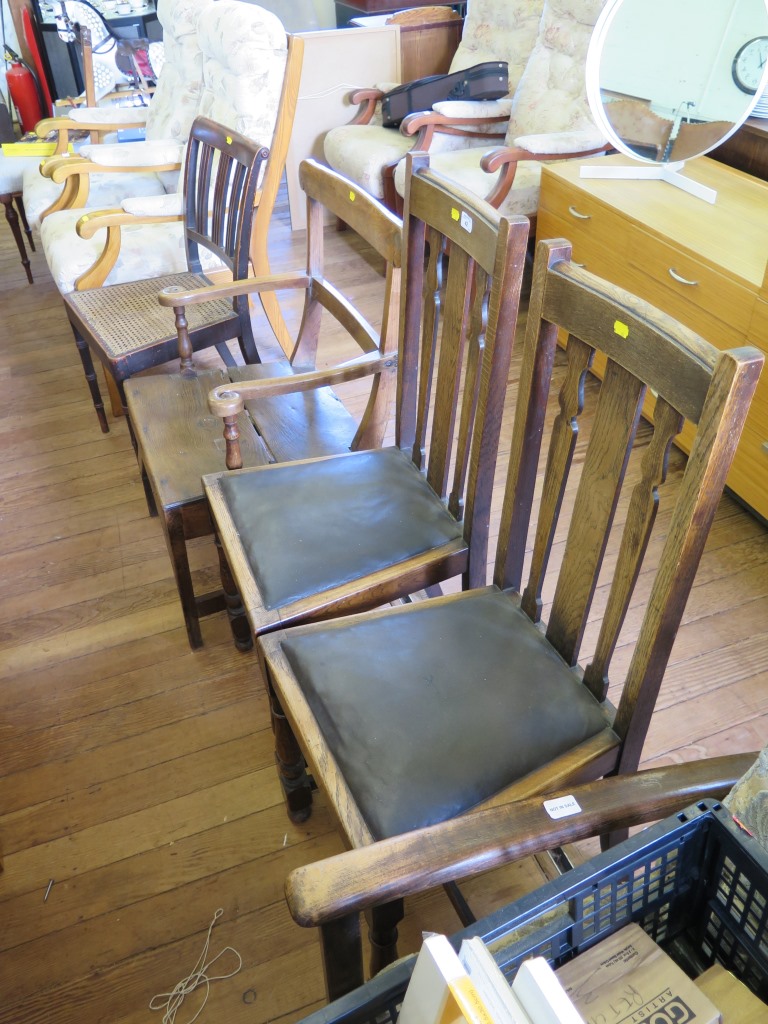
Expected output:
(749, 64)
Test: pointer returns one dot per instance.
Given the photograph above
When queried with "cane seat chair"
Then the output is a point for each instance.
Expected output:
(407, 717)
(292, 411)
(321, 537)
(123, 324)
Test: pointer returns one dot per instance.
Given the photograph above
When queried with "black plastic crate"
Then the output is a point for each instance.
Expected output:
(696, 882)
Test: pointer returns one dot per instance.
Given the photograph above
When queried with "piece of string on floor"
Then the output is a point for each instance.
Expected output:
(171, 1001)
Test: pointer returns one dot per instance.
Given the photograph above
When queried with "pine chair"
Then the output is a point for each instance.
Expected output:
(321, 537)
(408, 717)
(292, 412)
(123, 325)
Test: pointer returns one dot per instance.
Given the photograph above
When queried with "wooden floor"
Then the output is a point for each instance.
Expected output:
(137, 788)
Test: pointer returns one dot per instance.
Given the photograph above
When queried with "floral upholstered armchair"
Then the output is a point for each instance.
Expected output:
(167, 121)
(549, 118)
(493, 30)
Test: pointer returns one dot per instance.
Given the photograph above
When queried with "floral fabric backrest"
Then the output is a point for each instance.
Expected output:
(499, 30)
(179, 87)
(551, 96)
(245, 49)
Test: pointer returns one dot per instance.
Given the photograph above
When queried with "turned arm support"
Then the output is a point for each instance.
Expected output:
(365, 100)
(391, 869)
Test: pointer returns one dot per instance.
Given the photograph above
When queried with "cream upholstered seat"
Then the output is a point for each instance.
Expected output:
(169, 117)
(244, 51)
(550, 115)
(493, 30)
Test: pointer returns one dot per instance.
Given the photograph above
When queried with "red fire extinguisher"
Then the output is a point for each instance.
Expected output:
(24, 90)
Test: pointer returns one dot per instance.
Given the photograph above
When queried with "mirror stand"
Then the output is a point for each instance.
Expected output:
(654, 172)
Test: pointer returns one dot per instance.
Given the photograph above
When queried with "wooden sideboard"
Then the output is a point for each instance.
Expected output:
(706, 265)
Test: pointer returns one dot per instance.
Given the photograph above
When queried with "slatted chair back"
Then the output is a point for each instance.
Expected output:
(647, 355)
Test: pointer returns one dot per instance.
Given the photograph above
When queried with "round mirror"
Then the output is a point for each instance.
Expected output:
(668, 80)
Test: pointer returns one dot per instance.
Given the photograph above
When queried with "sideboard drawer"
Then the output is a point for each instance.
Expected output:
(587, 238)
(696, 294)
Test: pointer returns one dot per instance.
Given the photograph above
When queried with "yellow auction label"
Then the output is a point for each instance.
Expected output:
(621, 329)
(454, 214)
(352, 196)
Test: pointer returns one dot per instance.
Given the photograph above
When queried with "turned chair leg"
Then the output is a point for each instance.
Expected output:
(382, 932)
(13, 220)
(93, 384)
(291, 766)
(24, 222)
(238, 620)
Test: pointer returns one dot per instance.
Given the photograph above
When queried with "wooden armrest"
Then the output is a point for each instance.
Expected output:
(366, 100)
(55, 124)
(229, 399)
(231, 289)
(414, 123)
(67, 167)
(98, 220)
(466, 846)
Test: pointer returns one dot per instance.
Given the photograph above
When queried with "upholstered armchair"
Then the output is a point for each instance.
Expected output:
(167, 120)
(549, 118)
(244, 54)
(367, 152)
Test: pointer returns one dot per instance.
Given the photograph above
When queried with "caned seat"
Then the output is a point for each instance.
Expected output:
(123, 324)
(409, 717)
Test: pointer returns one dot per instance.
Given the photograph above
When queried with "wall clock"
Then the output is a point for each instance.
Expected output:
(749, 64)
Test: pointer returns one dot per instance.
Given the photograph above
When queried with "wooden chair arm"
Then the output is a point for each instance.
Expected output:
(405, 865)
(366, 100)
(232, 289)
(67, 167)
(504, 159)
(229, 399)
(412, 124)
(98, 220)
(56, 124)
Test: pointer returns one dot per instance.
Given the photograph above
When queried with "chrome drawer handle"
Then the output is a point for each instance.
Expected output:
(580, 216)
(682, 280)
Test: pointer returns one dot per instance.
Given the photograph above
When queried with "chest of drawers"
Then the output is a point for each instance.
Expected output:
(706, 265)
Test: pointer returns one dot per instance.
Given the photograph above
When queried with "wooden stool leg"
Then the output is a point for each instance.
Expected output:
(291, 765)
(173, 525)
(13, 220)
(382, 931)
(113, 390)
(24, 222)
(238, 620)
(93, 384)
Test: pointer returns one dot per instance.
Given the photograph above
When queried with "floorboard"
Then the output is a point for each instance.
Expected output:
(137, 786)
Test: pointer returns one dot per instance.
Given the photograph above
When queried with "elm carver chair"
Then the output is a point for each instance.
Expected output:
(367, 152)
(323, 537)
(292, 411)
(409, 716)
(549, 119)
(123, 323)
(167, 120)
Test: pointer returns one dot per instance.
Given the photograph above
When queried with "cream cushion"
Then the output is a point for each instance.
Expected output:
(549, 108)
(169, 116)
(244, 49)
(493, 30)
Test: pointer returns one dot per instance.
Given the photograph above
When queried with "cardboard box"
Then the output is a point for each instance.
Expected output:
(628, 979)
(737, 1004)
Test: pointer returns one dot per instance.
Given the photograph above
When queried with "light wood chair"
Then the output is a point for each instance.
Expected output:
(323, 537)
(291, 411)
(123, 325)
(408, 717)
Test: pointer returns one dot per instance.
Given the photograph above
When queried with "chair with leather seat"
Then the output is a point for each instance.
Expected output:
(407, 717)
(292, 411)
(124, 326)
(320, 537)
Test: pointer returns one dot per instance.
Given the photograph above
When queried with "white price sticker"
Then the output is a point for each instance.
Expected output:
(562, 807)
(466, 221)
